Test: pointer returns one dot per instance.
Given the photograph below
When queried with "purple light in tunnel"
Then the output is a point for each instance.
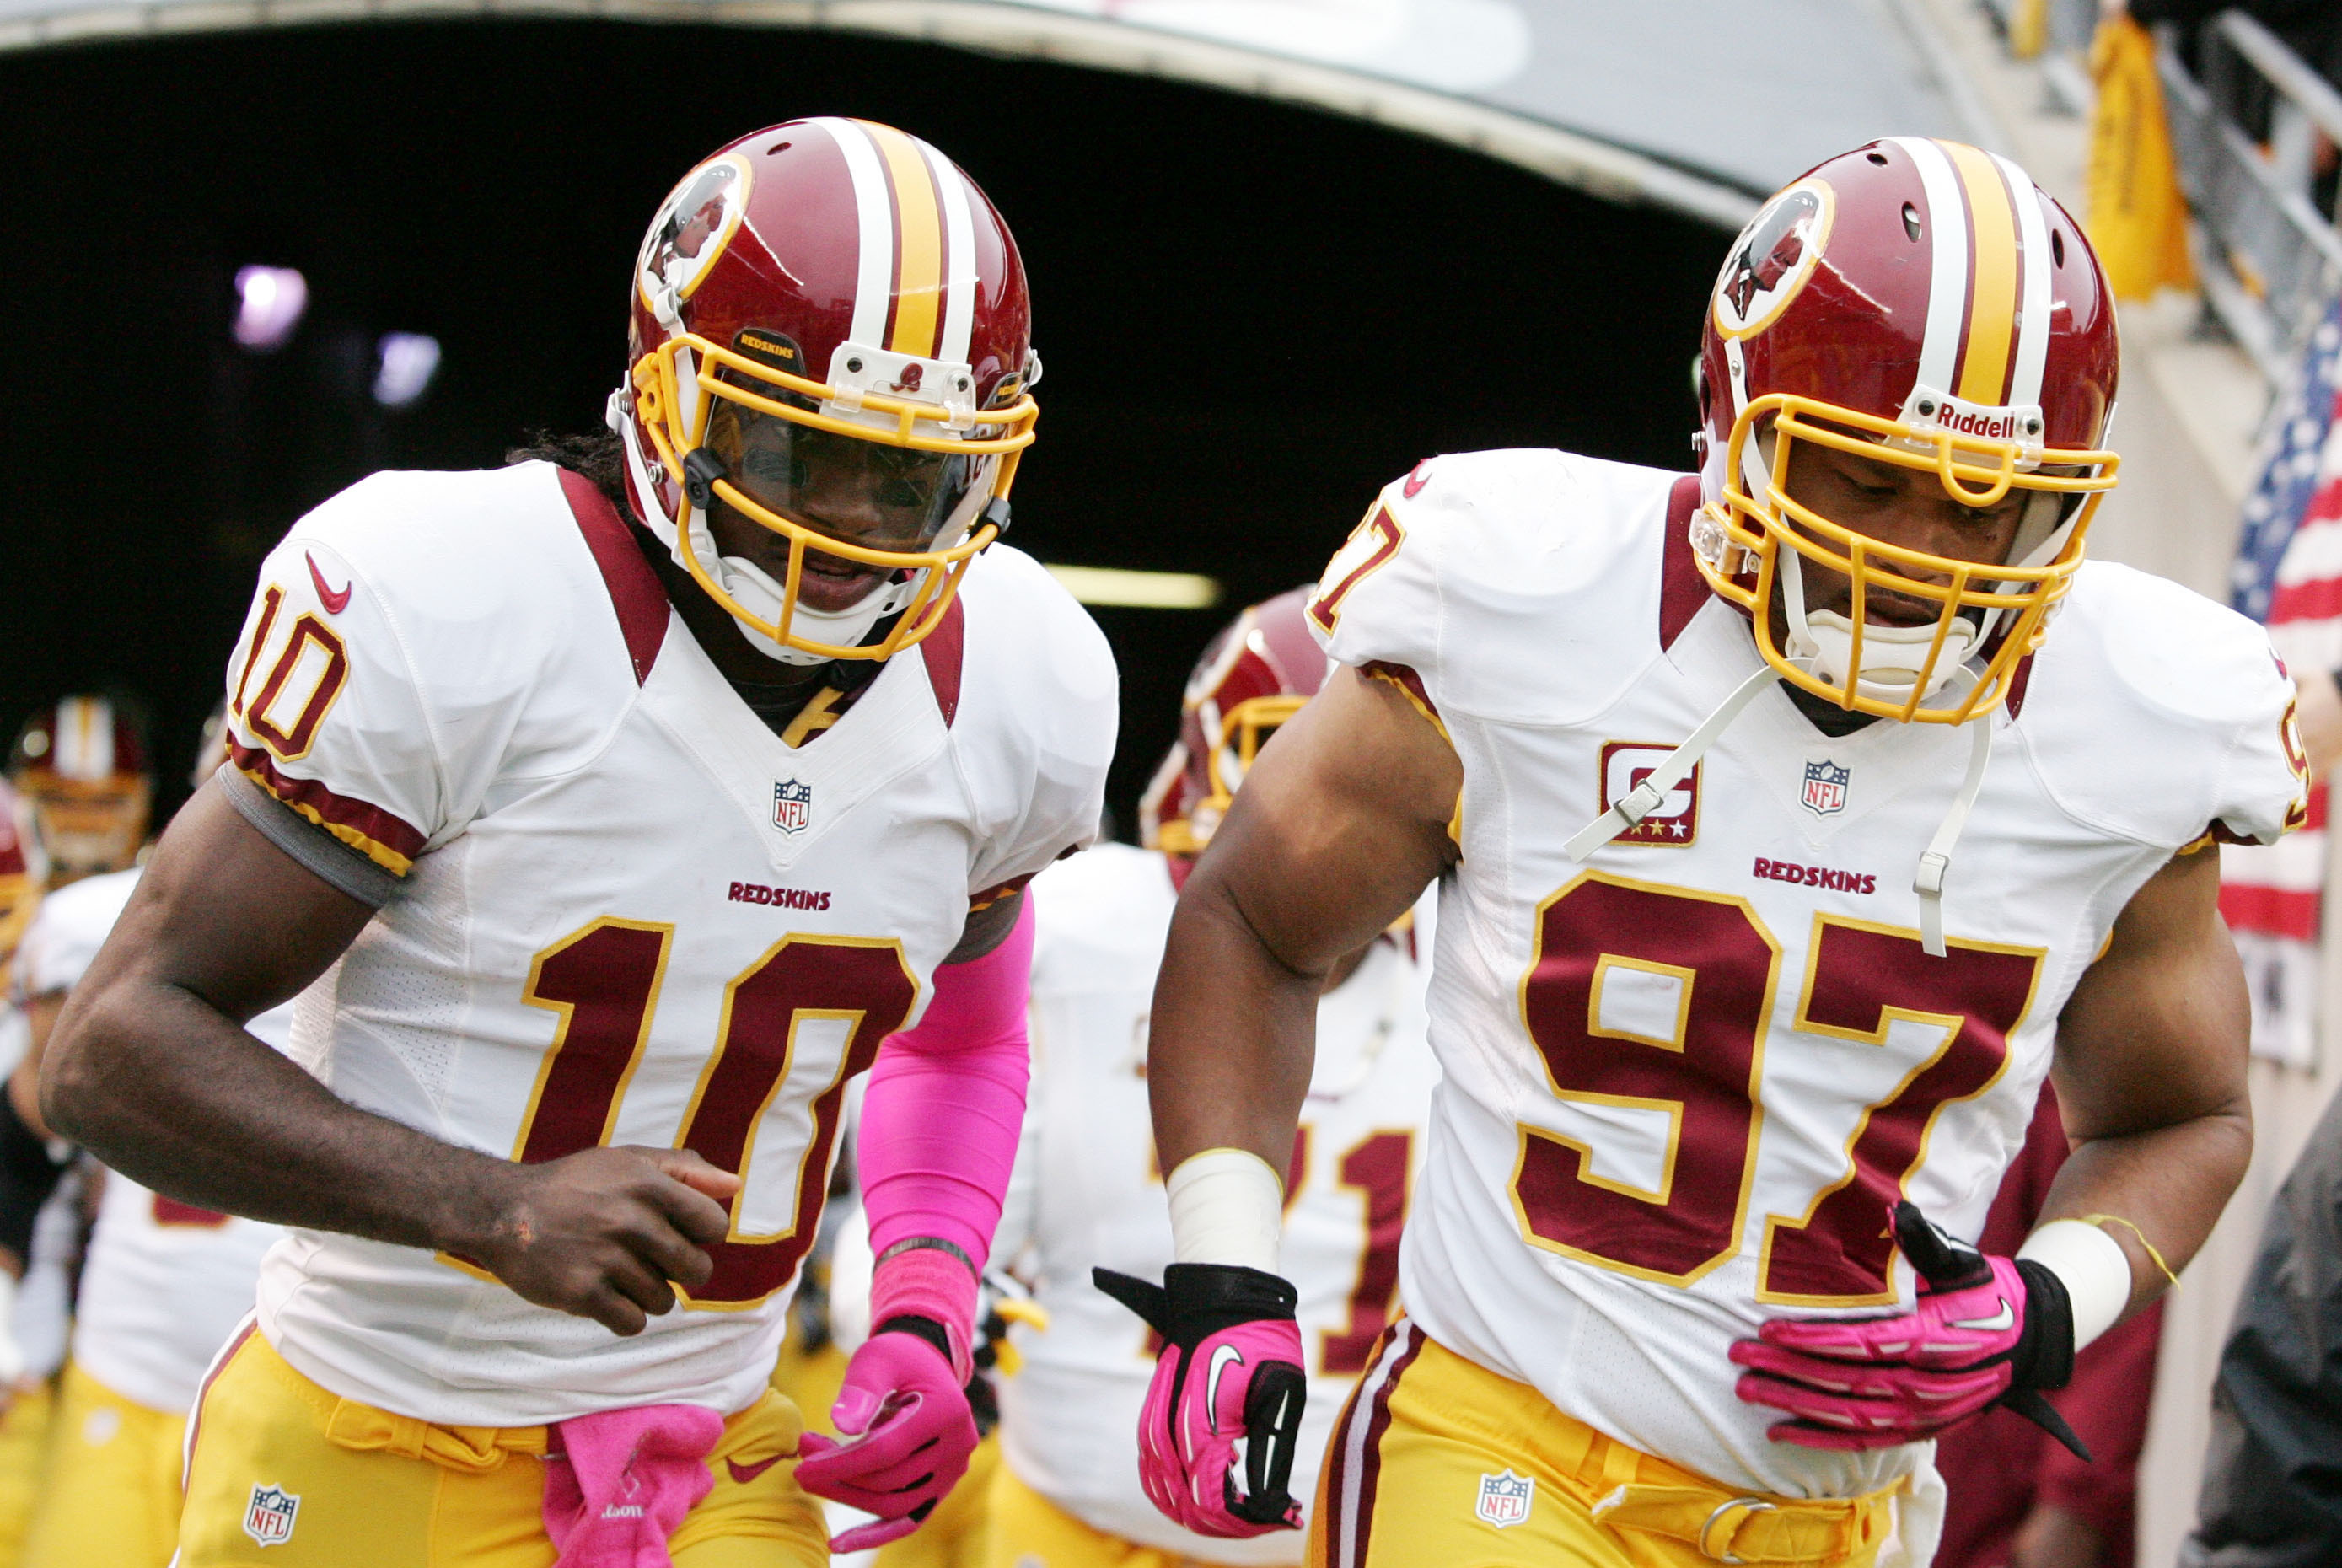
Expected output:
(270, 302)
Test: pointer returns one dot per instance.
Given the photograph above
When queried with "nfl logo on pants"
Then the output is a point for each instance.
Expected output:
(791, 805)
(1504, 1499)
(269, 1517)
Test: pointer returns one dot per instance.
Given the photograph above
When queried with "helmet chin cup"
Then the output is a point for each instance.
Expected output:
(759, 599)
(1894, 658)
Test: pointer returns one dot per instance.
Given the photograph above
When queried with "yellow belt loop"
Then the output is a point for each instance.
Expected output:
(470, 1450)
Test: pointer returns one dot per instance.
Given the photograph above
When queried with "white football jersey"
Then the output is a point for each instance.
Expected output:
(1096, 1197)
(164, 1282)
(630, 913)
(1685, 1079)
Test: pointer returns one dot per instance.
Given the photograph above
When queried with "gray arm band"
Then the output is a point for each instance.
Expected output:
(341, 867)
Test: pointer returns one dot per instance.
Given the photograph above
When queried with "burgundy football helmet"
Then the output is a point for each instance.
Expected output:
(1255, 675)
(80, 767)
(1924, 303)
(829, 305)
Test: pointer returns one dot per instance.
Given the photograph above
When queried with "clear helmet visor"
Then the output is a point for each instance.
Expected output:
(865, 492)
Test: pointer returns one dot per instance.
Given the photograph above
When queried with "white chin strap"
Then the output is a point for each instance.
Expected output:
(1935, 861)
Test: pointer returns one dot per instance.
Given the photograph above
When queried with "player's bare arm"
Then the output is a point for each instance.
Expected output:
(2150, 1075)
(150, 1069)
(1340, 825)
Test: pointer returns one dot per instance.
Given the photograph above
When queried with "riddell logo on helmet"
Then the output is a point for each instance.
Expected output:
(1933, 410)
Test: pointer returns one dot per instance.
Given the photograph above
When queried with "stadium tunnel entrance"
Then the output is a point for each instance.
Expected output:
(1253, 315)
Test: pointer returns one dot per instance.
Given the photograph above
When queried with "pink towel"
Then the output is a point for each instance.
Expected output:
(621, 1481)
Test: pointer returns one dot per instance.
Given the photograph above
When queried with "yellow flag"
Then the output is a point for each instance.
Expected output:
(2137, 219)
(2029, 28)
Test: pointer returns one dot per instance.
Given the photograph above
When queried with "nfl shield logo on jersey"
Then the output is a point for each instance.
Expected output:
(269, 1517)
(1504, 1499)
(791, 805)
(1826, 788)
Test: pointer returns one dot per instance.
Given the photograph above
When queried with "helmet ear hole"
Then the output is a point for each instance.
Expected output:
(1911, 222)
(2056, 248)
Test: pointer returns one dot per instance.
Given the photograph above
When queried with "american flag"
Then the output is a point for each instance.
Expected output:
(2288, 573)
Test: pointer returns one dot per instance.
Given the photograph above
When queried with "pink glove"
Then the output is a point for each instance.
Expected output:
(910, 1433)
(1230, 1373)
(1986, 1331)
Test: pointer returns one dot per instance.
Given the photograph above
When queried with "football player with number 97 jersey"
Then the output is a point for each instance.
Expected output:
(1792, 821)
(616, 809)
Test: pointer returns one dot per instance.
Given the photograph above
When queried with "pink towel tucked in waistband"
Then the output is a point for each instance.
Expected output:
(619, 1482)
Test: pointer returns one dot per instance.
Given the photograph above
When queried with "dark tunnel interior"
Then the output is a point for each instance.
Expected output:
(1253, 315)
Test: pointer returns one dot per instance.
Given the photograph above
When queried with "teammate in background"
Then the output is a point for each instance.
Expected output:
(625, 810)
(163, 1287)
(1066, 1496)
(1783, 846)
(82, 793)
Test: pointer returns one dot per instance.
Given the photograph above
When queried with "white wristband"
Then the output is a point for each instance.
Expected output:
(1228, 1206)
(12, 1358)
(2093, 1267)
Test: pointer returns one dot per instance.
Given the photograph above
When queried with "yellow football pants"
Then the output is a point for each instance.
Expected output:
(1028, 1531)
(1436, 1460)
(340, 1484)
(112, 1494)
(23, 1466)
(956, 1532)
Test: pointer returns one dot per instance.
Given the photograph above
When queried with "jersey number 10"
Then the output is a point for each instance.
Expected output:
(604, 982)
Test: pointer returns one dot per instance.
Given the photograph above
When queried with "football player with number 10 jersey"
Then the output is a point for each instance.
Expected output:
(609, 813)
(1791, 821)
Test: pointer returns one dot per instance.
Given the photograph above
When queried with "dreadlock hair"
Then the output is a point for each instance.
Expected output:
(598, 457)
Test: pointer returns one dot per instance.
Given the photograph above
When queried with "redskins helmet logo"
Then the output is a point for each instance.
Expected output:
(1773, 257)
(694, 224)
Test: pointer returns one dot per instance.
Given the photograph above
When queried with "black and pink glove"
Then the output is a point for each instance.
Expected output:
(1230, 1373)
(1986, 1331)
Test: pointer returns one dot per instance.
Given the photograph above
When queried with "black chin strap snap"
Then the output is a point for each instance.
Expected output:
(701, 470)
(996, 512)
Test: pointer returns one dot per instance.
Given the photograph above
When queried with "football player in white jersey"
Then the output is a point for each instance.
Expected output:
(607, 818)
(82, 793)
(161, 1286)
(1784, 845)
(1066, 1496)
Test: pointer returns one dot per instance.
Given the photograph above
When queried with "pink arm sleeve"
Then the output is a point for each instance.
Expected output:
(946, 1103)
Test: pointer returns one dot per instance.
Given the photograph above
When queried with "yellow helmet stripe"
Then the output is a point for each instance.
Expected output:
(1992, 294)
(2034, 305)
(919, 243)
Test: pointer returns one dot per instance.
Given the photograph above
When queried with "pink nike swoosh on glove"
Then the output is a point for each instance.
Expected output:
(1189, 1426)
(1872, 1382)
(909, 1436)
(623, 1480)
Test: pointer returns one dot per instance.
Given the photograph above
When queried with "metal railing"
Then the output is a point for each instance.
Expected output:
(2273, 260)
(2065, 25)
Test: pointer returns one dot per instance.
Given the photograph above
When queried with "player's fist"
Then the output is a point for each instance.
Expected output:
(606, 1233)
(1230, 1373)
(1985, 1331)
(909, 1435)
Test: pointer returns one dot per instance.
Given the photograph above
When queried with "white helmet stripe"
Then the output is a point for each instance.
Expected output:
(874, 275)
(2033, 297)
(84, 745)
(959, 257)
(1947, 285)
